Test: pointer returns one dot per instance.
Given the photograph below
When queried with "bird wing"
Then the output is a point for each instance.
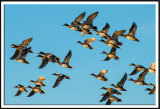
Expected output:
(135, 71)
(132, 30)
(44, 62)
(58, 80)
(109, 101)
(15, 54)
(153, 66)
(40, 79)
(91, 17)
(89, 40)
(31, 93)
(116, 34)
(113, 50)
(107, 58)
(26, 42)
(67, 58)
(19, 92)
(106, 28)
(103, 72)
(142, 75)
(79, 18)
(106, 96)
(122, 81)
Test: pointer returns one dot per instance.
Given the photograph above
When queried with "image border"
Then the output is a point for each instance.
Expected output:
(3, 3)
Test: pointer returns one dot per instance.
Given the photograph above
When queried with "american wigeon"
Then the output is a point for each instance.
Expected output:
(21, 89)
(137, 69)
(88, 24)
(22, 51)
(104, 31)
(65, 62)
(101, 75)
(35, 89)
(109, 93)
(87, 42)
(113, 41)
(39, 81)
(59, 79)
(75, 24)
(111, 55)
(120, 84)
(48, 57)
(132, 32)
(140, 79)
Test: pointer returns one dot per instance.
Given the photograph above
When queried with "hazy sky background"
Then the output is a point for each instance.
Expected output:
(44, 24)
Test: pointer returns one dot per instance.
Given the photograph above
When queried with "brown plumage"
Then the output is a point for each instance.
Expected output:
(101, 75)
(21, 89)
(87, 43)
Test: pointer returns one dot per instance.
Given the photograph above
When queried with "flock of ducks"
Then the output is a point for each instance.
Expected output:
(85, 28)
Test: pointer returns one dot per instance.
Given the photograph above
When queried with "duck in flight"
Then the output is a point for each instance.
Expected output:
(87, 42)
(39, 81)
(47, 57)
(21, 89)
(59, 79)
(137, 69)
(120, 84)
(101, 75)
(65, 62)
(35, 89)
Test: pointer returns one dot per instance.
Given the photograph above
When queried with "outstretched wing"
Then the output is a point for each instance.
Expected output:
(40, 79)
(132, 30)
(142, 75)
(15, 55)
(153, 66)
(91, 17)
(116, 34)
(67, 58)
(58, 80)
(113, 50)
(44, 62)
(135, 71)
(106, 28)
(31, 93)
(122, 81)
(89, 40)
(19, 92)
(79, 18)
(26, 42)
(102, 72)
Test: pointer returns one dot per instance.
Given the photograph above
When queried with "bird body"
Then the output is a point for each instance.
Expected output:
(87, 43)
(101, 75)
(21, 89)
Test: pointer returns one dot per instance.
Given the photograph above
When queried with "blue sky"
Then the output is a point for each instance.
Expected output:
(44, 24)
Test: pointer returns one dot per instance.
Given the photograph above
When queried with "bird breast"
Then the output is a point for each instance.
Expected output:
(130, 37)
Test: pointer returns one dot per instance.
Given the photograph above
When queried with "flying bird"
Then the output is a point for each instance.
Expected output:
(109, 93)
(104, 31)
(48, 57)
(101, 75)
(140, 79)
(39, 81)
(22, 51)
(137, 69)
(35, 89)
(59, 79)
(112, 99)
(65, 62)
(21, 89)
(87, 42)
(111, 55)
(75, 24)
(120, 84)
(132, 32)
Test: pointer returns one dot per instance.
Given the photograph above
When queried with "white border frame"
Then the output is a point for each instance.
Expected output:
(77, 106)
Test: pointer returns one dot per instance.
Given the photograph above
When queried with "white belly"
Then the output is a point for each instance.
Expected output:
(86, 46)
(130, 38)
(140, 83)
(64, 65)
(111, 55)
(111, 45)
(74, 28)
(112, 42)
